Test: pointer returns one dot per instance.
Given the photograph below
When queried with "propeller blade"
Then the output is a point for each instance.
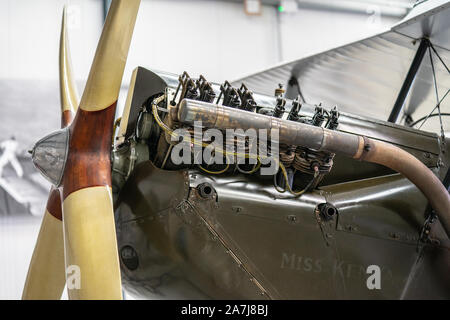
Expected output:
(46, 277)
(103, 84)
(68, 89)
(88, 217)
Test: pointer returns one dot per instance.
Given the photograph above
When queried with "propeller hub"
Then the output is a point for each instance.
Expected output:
(49, 155)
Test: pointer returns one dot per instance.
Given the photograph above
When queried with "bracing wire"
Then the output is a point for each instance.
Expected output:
(439, 101)
(424, 119)
(436, 91)
(439, 57)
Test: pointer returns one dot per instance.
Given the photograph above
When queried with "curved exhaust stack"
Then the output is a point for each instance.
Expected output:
(322, 139)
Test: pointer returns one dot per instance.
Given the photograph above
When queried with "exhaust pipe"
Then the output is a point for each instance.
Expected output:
(322, 139)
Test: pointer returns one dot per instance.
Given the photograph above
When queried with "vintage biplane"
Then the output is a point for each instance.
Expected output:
(352, 192)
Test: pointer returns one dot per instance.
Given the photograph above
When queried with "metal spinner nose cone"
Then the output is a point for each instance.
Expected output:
(49, 155)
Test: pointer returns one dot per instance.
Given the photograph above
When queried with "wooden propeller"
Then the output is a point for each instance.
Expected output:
(46, 277)
(90, 243)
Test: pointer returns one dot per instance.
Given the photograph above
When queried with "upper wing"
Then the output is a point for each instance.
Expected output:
(365, 77)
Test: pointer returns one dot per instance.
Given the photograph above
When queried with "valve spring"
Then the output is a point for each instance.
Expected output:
(279, 108)
(287, 154)
(305, 159)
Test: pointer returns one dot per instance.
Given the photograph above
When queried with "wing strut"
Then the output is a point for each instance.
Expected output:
(424, 44)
